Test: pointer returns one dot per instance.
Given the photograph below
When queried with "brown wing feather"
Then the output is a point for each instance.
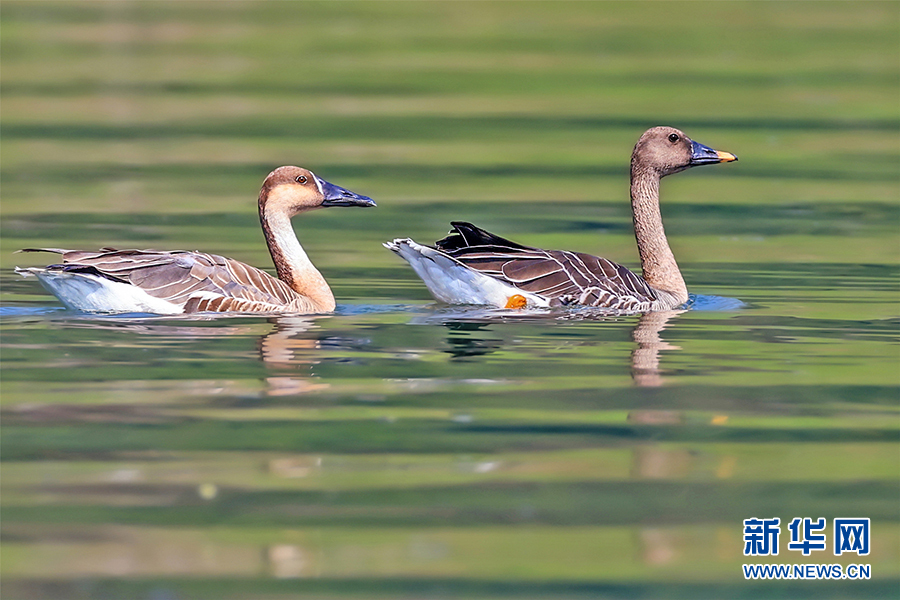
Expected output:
(199, 281)
(563, 277)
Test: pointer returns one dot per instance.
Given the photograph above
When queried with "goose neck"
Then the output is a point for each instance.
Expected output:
(291, 262)
(657, 261)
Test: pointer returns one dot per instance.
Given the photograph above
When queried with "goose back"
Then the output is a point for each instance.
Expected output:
(561, 276)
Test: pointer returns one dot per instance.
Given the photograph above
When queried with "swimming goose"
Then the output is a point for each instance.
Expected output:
(472, 266)
(178, 282)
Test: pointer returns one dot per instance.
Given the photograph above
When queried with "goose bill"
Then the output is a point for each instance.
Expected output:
(704, 155)
(335, 195)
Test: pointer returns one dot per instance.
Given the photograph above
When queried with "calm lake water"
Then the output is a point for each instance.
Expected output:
(400, 449)
(404, 448)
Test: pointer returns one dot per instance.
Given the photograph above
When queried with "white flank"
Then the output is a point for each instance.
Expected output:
(90, 293)
(452, 282)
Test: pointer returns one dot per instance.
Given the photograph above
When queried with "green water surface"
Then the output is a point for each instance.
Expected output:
(404, 449)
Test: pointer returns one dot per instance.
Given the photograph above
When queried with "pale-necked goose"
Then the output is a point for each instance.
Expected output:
(178, 282)
(472, 266)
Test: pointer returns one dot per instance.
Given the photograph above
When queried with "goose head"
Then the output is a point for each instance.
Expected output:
(293, 190)
(667, 150)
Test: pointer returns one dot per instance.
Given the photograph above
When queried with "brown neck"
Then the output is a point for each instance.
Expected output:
(291, 263)
(657, 261)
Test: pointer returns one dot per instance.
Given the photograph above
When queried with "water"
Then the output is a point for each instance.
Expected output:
(403, 449)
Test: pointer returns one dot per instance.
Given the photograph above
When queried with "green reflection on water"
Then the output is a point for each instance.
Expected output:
(397, 449)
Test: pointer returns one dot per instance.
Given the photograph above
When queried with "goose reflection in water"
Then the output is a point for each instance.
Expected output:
(288, 346)
(645, 358)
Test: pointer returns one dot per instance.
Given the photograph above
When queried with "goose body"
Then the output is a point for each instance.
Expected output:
(473, 266)
(176, 282)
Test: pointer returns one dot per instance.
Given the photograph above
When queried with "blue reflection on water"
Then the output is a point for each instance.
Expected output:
(32, 311)
(696, 302)
(713, 303)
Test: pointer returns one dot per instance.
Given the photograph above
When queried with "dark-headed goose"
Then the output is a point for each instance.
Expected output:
(472, 266)
(111, 280)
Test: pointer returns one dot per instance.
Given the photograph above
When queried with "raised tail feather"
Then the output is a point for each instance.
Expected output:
(466, 235)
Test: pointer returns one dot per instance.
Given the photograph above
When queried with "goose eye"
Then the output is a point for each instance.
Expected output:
(673, 137)
(300, 178)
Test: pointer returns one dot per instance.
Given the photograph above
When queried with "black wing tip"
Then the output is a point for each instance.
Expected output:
(462, 224)
(463, 235)
(456, 238)
(466, 235)
(453, 241)
(51, 250)
(84, 270)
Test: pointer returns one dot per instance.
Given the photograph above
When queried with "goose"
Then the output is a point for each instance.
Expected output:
(473, 266)
(150, 281)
